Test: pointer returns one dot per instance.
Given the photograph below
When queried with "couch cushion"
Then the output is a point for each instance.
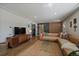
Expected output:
(53, 34)
(67, 46)
(50, 38)
(62, 41)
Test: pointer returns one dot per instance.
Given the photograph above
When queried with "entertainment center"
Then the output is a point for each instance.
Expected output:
(19, 37)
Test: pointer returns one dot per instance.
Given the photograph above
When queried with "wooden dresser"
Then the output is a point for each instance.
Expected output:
(18, 39)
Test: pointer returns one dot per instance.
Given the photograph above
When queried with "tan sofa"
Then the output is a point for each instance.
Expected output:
(67, 47)
(49, 36)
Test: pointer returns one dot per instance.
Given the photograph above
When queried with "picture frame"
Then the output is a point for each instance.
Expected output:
(70, 24)
(74, 21)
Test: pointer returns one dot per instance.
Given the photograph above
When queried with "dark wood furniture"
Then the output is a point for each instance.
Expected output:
(18, 39)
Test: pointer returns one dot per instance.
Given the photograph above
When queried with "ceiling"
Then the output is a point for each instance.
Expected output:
(41, 12)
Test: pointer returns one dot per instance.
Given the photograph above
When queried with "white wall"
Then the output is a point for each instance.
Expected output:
(7, 20)
(67, 24)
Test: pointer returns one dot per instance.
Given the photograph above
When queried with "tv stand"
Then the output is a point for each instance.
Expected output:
(17, 40)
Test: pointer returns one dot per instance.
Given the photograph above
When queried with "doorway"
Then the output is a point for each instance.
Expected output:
(33, 30)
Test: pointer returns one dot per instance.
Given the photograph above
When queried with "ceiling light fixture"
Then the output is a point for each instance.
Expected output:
(55, 13)
(50, 4)
(35, 16)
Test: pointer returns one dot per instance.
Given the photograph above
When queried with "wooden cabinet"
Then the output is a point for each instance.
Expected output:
(16, 40)
(55, 27)
(12, 41)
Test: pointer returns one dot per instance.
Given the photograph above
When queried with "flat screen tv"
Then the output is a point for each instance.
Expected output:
(19, 30)
(16, 30)
(22, 30)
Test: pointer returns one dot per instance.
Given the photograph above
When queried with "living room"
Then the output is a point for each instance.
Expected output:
(27, 30)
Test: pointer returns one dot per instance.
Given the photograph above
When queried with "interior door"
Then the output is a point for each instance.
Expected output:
(46, 27)
(33, 29)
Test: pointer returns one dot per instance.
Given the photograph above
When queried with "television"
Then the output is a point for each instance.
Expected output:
(22, 30)
(19, 30)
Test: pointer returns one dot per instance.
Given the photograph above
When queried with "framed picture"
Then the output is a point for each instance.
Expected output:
(75, 27)
(70, 23)
(75, 24)
(74, 21)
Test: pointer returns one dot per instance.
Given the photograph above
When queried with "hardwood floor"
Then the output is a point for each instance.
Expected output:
(42, 48)
(14, 51)
(36, 47)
